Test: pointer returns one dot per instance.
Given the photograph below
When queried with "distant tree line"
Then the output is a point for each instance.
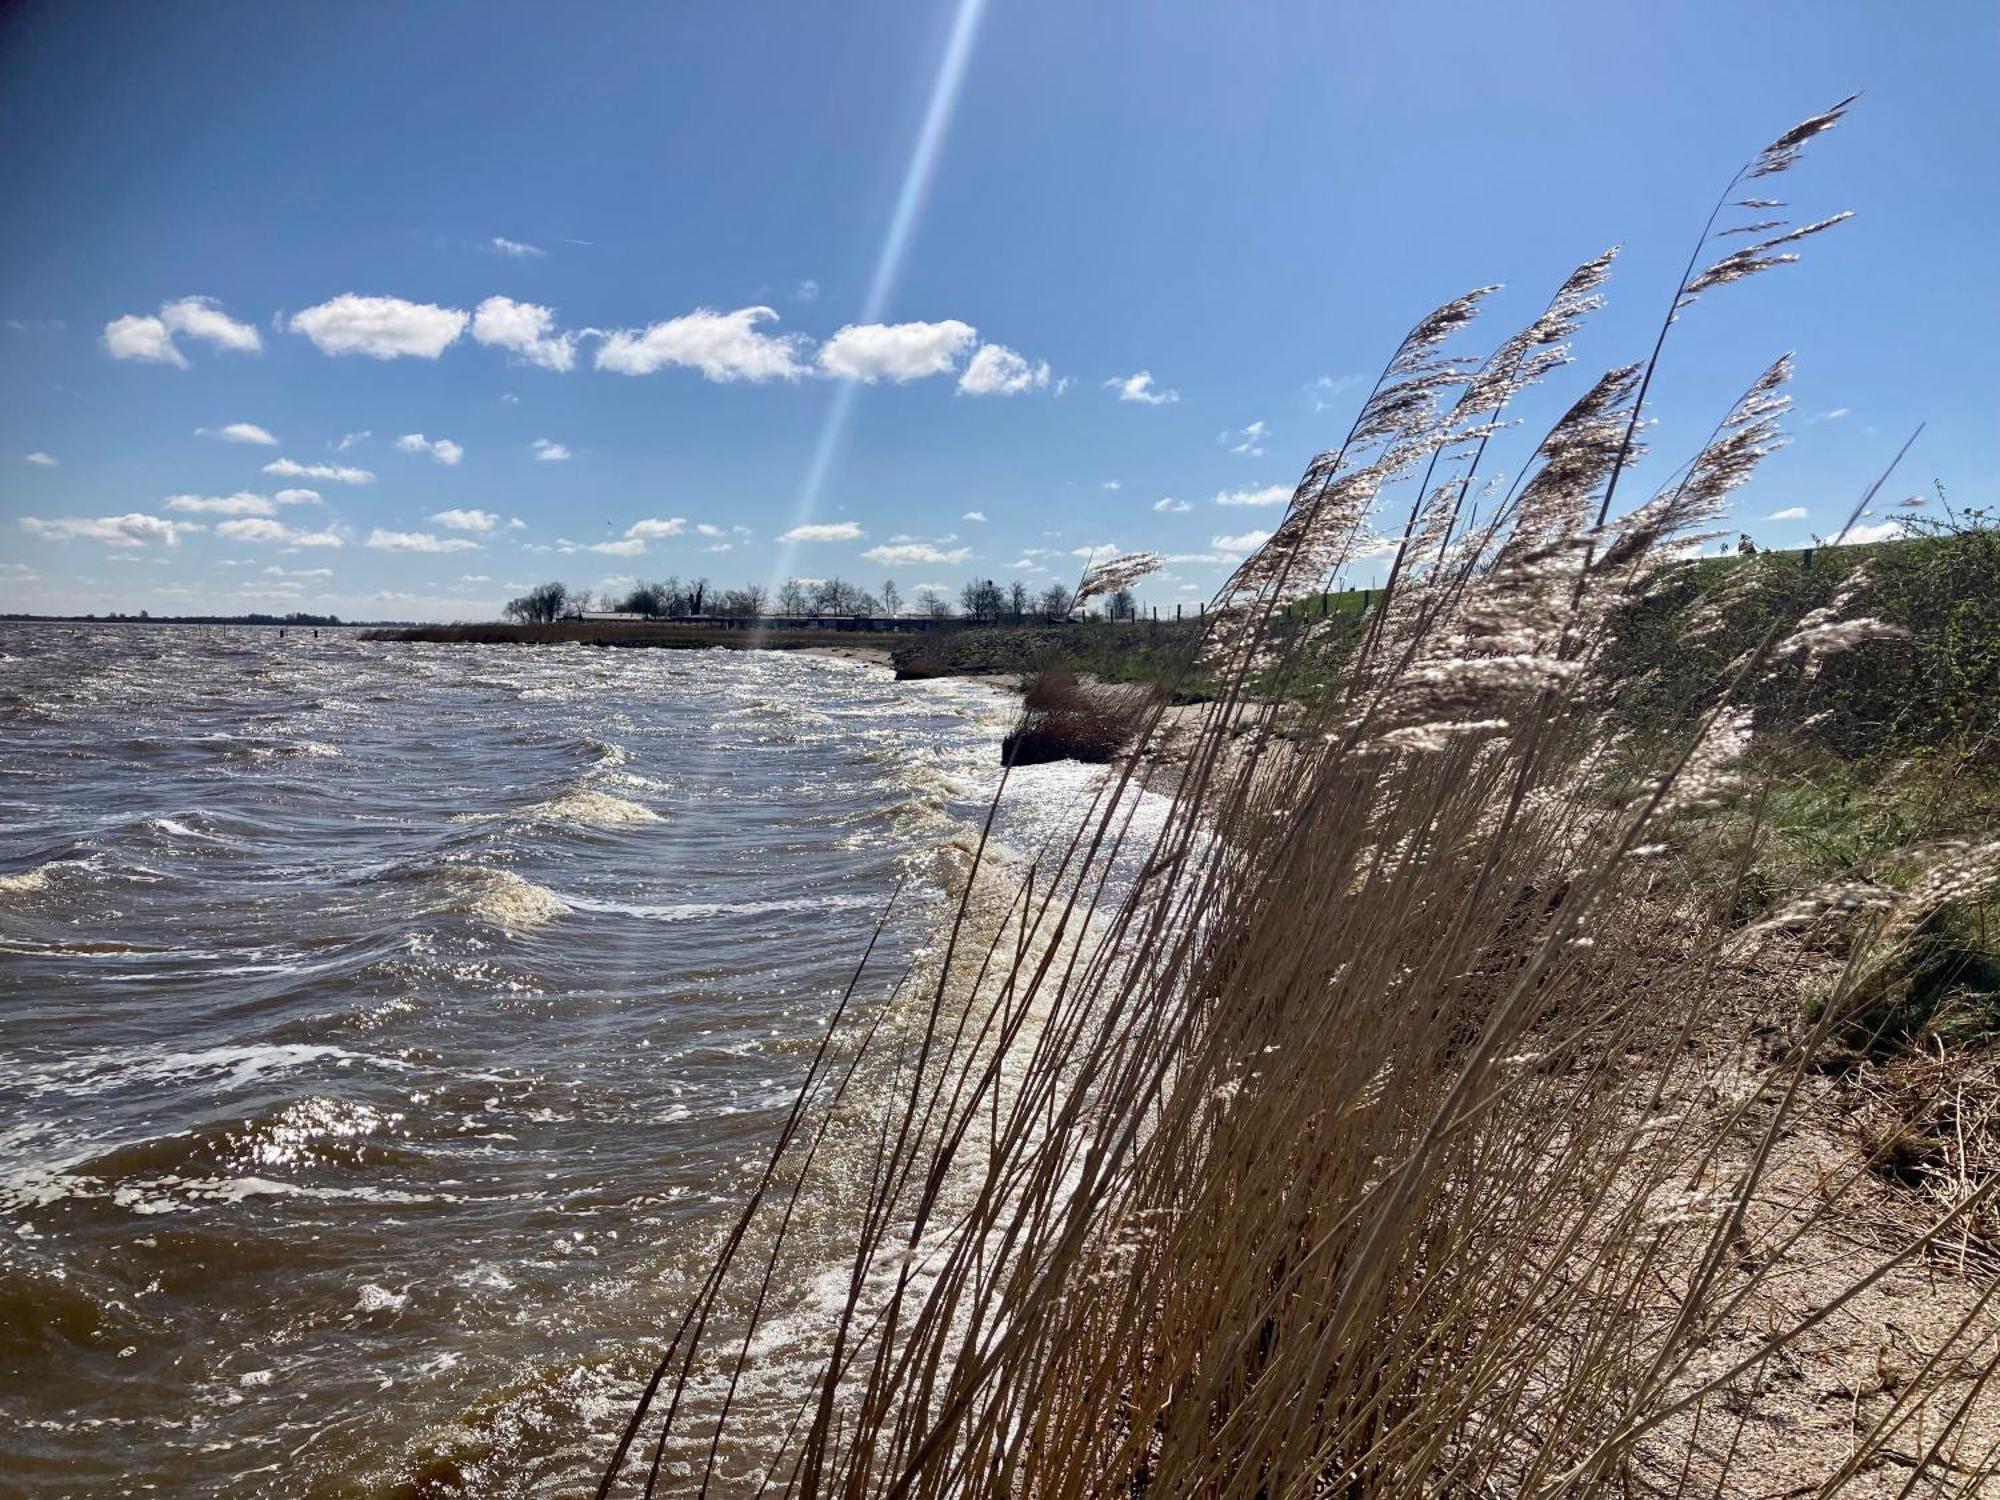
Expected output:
(671, 599)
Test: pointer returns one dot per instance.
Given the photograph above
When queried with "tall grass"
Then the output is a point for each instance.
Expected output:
(1375, 1122)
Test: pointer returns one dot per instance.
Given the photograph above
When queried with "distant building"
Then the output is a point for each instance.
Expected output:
(609, 614)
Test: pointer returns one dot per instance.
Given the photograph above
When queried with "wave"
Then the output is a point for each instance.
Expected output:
(500, 897)
(587, 805)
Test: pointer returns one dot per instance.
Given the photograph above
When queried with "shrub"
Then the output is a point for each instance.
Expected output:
(1064, 719)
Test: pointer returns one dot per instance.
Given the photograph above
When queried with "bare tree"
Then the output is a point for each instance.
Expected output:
(792, 598)
(1017, 601)
(934, 604)
(540, 605)
(1057, 602)
(892, 597)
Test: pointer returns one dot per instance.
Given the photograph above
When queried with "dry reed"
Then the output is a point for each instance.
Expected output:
(1371, 1124)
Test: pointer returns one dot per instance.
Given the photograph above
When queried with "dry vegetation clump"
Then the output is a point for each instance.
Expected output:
(1388, 1125)
(1064, 719)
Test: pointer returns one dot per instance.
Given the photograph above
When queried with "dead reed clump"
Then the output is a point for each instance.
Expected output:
(1063, 718)
(1371, 1124)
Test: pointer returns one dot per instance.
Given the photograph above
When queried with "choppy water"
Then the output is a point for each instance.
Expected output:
(384, 1029)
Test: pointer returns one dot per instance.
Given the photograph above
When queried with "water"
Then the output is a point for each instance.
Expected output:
(386, 1029)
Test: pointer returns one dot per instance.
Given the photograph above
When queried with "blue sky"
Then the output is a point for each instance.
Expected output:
(633, 234)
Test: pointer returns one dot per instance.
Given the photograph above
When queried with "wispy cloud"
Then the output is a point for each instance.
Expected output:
(1246, 440)
(42, 460)
(996, 370)
(1168, 505)
(1789, 513)
(289, 468)
(1248, 541)
(516, 249)
(1328, 389)
(548, 451)
(256, 529)
(909, 554)
(239, 432)
(417, 541)
(444, 450)
(242, 503)
(134, 529)
(1140, 388)
(1270, 494)
(822, 531)
(467, 520)
(973, 515)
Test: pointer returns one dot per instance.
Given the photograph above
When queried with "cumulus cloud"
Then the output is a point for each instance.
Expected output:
(822, 531)
(1111, 484)
(203, 318)
(380, 327)
(1270, 494)
(1169, 505)
(1248, 541)
(895, 351)
(973, 515)
(525, 331)
(444, 450)
(1140, 387)
(548, 451)
(723, 346)
(707, 530)
(996, 370)
(1247, 440)
(256, 529)
(467, 520)
(42, 460)
(631, 546)
(242, 503)
(150, 339)
(1096, 554)
(417, 541)
(908, 554)
(1195, 557)
(135, 529)
(1027, 565)
(652, 528)
(239, 432)
(144, 339)
(297, 497)
(518, 250)
(288, 468)
(1789, 513)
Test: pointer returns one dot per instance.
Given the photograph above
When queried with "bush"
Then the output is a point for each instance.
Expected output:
(1064, 719)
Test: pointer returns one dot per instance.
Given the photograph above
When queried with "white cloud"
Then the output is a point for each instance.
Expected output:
(1248, 541)
(1270, 494)
(467, 520)
(1324, 391)
(239, 432)
(548, 451)
(1829, 416)
(721, 547)
(352, 439)
(1195, 557)
(203, 318)
(1140, 387)
(18, 573)
(417, 541)
(631, 546)
(1247, 440)
(973, 515)
(910, 553)
(287, 468)
(501, 245)
(42, 460)
(1111, 484)
(444, 450)
(1097, 553)
(1881, 531)
(1789, 513)
(151, 339)
(475, 578)
(707, 530)
(723, 346)
(806, 291)
(253, 529)
(143, 339)
(242, 503)
(297, 497)
(1027, 565)
(895, 351)
(997, 370)
(524, 330)
(822, 531)
(1171, 506)
(380, 327)
(132, 530)
(653, 528)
